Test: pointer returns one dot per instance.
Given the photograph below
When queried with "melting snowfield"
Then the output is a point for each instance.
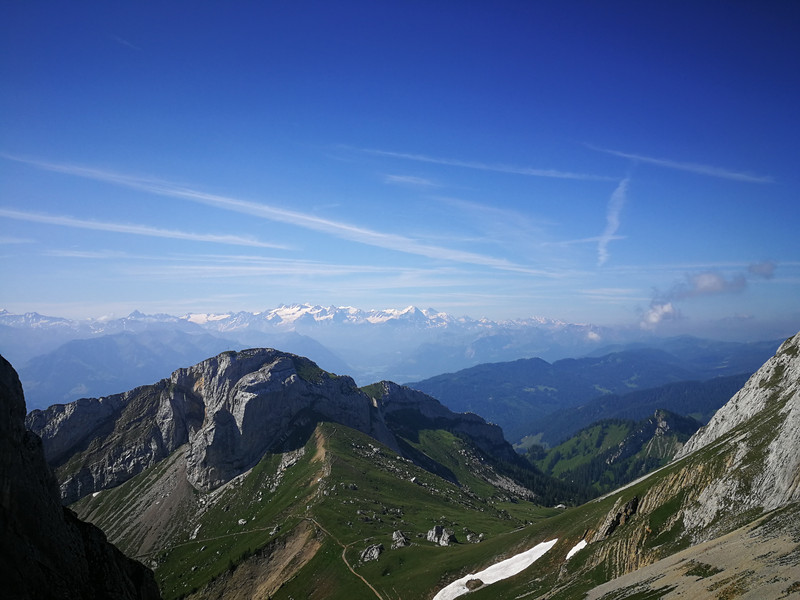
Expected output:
(579, 546)
(497, 572)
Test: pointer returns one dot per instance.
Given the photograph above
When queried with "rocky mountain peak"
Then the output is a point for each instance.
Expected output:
(778, 380)
(226, 413)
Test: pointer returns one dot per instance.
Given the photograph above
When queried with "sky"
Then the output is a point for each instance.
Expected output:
(626, 164)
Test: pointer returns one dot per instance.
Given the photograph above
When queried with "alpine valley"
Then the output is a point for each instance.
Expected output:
(257, 474)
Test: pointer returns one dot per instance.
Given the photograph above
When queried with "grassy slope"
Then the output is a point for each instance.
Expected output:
(365, 493)
(611, 453)
(357, 492)
(353, 490)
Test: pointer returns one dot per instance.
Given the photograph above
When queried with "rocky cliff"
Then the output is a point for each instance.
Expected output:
(229, 411)
(45, 550)
(744, 464)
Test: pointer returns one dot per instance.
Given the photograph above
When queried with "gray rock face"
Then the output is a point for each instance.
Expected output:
(762, 424)
(781, 374)
(45, 550)
(253, 399)
(231, 409)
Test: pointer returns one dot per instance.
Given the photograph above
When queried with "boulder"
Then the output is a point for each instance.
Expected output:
(441, 535)
(399, 540)
(371, 552)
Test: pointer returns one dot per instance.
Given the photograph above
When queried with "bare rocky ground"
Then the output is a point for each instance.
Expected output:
(262, 575)
(760, 561)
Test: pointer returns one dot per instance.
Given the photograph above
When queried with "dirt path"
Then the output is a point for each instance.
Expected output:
(344, 557)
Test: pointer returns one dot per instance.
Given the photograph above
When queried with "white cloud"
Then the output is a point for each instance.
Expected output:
(615, 204)
(410, 180)
(690, 167)
(707, 283)
(144, 230)
(497, 168)
(765, 269)
(8, 239)
(338, 229)
(657, 313)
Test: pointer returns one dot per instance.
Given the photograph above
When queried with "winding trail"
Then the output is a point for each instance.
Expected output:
(344, 556)
(322, 455)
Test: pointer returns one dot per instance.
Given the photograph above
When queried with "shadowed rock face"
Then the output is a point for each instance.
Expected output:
(45, 550)
(229, 411)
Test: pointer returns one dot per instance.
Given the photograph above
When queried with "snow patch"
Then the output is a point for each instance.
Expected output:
(579, 546)
(202, 319)
(497, 572)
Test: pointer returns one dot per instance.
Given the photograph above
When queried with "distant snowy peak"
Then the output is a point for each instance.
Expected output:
(287, 317)
(34, 320)
(203, 319)
(293, 315)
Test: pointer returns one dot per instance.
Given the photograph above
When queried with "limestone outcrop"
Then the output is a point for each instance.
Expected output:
(371, 552)
(744, 463)
(441, 536)
(229, 411)
(399, 540)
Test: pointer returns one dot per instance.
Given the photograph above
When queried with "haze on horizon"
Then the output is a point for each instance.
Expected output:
(623, 163)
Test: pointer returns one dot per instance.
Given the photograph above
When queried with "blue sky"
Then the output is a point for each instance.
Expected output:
(619, 163)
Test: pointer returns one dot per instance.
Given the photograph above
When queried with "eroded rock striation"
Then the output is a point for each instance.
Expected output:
(743, 464)
(45, 550)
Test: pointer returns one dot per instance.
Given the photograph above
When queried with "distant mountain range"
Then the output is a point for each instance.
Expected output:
(371, 345)
(696, 399)
(522, 395)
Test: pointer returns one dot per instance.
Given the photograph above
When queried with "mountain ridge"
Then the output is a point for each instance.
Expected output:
(425, 343)
(229, 410)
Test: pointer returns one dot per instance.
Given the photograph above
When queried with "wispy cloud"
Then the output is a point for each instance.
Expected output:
(612, 293)
(708, 283)
(765, 269)
(697, 168)
(410, 180)
(144, 230)
(498, 168)
(338, 229)
(123, 42)
(8, 239)
(615, 204)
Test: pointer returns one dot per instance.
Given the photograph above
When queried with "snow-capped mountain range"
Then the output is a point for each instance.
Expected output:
(60, 359)
(397, 344)
(300, 318)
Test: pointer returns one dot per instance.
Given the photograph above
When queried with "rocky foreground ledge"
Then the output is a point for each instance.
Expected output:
(45, 550)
